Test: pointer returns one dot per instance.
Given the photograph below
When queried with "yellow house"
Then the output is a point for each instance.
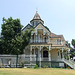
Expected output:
(48, 47)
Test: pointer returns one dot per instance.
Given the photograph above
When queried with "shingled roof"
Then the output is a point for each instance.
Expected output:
(57, 36)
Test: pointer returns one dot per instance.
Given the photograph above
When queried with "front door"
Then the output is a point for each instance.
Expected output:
(45, 54)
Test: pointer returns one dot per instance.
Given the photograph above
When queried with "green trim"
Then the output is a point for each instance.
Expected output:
(42, 25)
(26, 26)
(36, 19)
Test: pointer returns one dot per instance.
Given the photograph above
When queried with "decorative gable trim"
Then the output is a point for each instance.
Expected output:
(43, 26)
(27, 26)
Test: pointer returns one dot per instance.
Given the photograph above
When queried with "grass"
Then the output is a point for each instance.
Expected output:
(31, 71)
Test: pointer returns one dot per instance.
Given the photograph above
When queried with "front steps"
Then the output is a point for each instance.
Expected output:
(69, 62)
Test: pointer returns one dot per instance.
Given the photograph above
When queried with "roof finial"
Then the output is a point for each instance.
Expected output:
(36, 10)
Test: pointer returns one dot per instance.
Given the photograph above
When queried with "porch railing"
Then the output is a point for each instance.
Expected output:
(57, 59)
(69, 62)
(42, 59)
(38, 41)
(46, 41)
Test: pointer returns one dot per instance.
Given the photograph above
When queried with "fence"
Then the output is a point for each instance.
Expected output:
(17, 61)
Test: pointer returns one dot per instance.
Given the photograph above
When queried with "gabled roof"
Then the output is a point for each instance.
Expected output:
(42, 25)
(52, 35)
(27, 26)
(36, 26)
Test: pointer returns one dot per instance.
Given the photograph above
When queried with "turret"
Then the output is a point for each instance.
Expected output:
(36, 19)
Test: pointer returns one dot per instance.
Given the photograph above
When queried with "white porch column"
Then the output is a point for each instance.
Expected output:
(34, 55)
(49, 54)
(69, 54)
(40, 56)
(69, 57)
(24, 55)
(30, 53)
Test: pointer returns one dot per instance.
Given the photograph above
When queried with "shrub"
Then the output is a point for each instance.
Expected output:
(67, 57)
(22, 63)
(45, 66)
(36, 66)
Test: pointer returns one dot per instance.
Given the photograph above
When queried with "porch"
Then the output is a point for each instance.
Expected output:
(28, 60)
(46, 53)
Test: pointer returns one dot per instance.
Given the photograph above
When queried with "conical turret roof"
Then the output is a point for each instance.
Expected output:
(36, 16)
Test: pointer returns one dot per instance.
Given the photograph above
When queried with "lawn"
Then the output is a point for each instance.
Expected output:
(27, 71)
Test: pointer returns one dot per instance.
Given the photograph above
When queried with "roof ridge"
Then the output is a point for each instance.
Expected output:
(59, 36)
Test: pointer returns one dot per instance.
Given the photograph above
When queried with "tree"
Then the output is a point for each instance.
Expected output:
(14, 39)
(1, 51)
(73, 42)
(72, 51)
(26, 39)
(11, 31)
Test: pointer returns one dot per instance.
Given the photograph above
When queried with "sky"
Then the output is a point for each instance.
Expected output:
(58, 15)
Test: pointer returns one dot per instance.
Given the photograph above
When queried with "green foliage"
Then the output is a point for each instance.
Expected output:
(66, 57)
(72, 53)
(1, 51)
(11, 31)
(36, 66)
(72, 50)
(14, 40)
(10, 28)
(73, 42)
(22, 63)
(45, 66)
(26, 38)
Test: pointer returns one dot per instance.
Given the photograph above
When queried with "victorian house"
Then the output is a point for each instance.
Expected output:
(48, 47)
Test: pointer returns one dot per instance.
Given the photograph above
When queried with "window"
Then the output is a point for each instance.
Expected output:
(34, 23)
(58, 53)
(58, 42)
(32, 51)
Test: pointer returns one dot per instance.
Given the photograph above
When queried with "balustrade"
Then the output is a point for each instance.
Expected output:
(43, 41)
